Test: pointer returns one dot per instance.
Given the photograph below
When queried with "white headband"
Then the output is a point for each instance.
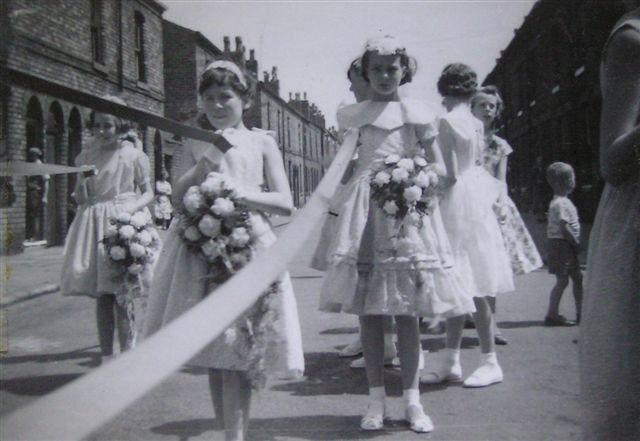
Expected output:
(230, 66)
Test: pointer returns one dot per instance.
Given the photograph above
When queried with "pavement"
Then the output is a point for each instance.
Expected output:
(52, 341)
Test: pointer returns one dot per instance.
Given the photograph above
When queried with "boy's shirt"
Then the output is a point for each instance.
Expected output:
(562, 209)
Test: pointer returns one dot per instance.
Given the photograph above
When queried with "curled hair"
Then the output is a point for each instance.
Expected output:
(355, 68)
(458, 80)
(223, 77)
(491, 91)
(408, 63)
(559, 176)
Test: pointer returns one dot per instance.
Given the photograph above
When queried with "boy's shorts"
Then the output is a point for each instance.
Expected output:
(562, 257)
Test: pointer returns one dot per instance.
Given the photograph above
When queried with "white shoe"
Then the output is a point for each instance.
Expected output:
(106, 358)
(448, 372)
(352, 349)
(417, 419)
(373, 419)
(487, 374)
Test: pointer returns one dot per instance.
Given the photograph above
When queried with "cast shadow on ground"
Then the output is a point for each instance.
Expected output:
(522, 324)
(437, 344)
(312, 427)
(92, 358)
(37, 385)
(327, 374)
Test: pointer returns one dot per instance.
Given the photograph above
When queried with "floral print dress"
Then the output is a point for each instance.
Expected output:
(522, 250)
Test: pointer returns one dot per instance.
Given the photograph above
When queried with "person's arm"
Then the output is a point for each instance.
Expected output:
(568, 235)
(434, 154)
(446, 142)
(619, 128)
(142, 180)
(278, 200)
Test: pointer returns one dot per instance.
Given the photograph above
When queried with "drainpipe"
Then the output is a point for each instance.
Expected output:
(120, 55)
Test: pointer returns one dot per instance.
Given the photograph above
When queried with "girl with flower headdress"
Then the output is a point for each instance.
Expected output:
(121, 170)
(372, 271)
(266, 339)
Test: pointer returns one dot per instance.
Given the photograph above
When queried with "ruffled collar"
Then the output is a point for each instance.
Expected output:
(385, 115)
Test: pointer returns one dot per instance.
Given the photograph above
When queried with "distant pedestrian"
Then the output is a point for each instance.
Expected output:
(121, 170)
(371, 273)
(610, 330)
(163, 210)
(563, 233)
(37, 191)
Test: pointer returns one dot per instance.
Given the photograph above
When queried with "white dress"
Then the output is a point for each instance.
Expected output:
(467, 208)
(86, 268)
(370, 273)
(180, 275)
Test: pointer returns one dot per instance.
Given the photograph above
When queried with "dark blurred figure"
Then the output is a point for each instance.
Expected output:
(37, 189)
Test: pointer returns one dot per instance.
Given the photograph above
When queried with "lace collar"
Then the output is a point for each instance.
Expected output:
(385, 115)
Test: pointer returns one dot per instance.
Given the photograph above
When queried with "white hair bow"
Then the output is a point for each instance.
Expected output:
(230, 66)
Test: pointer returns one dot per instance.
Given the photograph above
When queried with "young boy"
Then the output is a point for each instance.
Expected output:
(563, 233)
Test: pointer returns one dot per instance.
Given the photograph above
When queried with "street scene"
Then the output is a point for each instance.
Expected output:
(310, 220)
(52, 342)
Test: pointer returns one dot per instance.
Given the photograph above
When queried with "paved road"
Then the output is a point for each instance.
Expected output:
(52, 341)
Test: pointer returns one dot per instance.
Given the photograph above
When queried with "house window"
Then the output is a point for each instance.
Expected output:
(139, 47)
(97, 46)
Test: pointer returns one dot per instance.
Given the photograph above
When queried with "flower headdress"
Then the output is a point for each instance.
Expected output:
(390, 45)
(230, 66)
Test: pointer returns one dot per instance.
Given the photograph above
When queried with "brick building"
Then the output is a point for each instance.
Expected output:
(305, 143)
(549, 78)
(94, 46)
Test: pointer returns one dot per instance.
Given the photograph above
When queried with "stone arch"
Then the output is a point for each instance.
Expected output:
(74, 147)
(55, 152)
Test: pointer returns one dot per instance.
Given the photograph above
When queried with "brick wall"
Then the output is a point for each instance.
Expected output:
(51, 40)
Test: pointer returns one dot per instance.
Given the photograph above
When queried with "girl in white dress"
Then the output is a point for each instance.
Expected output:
(370, 273)
(487, 106)
(472, 227)
(237, 361)
(87, 270)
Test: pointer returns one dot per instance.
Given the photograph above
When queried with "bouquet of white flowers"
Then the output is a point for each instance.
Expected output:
(132, 244)
(217, 226)
(405, 188)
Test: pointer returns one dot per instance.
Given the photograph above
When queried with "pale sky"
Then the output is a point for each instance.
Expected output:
(313, 42)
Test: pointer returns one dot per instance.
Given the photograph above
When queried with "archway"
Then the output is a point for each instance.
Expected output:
(34, 136)
(55, 212)
(74, 148)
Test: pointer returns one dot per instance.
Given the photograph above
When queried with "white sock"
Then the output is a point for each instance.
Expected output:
(411, 397)
(490, 357)
(377, 393)
(453, 356)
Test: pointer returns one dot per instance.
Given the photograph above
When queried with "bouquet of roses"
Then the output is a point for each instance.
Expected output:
(132, 244)
(405, 188)
(217, 226)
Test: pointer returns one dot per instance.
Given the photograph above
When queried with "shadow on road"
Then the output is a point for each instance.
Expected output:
(77, 354)
(437, 344)
(337, 331)
(312, 427)
(522, 324)
(36, 386)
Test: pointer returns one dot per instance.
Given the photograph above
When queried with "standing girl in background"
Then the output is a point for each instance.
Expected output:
(610, 328)
(487, 106)
(372, 273)
(87, 271)
(472, 227)
(236, 360)
(163, 209)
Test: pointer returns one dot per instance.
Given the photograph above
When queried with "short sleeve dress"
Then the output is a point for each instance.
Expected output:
(86, 268)
(180, 280)
(369, 272)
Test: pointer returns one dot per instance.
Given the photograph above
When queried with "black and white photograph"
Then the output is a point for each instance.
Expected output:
(292, 220)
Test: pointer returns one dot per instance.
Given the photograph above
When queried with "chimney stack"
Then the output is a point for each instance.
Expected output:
(290, 96)
(227, 44)
(252, 55)
(297, 96)
(265, 76)
(305, 96)
(238, 44)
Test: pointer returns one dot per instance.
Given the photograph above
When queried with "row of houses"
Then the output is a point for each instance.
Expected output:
(125, 48)
(549, 79)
